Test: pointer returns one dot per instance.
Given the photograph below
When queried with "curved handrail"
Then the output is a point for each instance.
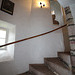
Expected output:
(33, 36)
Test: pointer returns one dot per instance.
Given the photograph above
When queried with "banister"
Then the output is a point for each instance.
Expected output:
(33, 36)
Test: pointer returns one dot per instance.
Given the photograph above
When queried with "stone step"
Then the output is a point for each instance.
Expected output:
(65, 57)
(73, 70)
(26, 73)
(57, 66)
(40, 69)
(73, 60)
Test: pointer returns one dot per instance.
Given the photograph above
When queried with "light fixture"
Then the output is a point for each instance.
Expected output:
(53, 12)
(42, 4)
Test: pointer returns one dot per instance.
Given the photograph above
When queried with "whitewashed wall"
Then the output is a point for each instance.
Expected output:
(29, 21)
(65, 3)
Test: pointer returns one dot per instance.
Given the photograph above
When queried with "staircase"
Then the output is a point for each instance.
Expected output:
(60, 65)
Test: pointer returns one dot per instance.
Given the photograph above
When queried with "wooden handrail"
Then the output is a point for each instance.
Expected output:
(33, 36)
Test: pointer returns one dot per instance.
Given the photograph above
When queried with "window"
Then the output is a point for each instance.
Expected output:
(7, 35)
(3, 37)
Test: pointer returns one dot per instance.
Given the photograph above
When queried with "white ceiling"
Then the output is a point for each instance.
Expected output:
(65, 3)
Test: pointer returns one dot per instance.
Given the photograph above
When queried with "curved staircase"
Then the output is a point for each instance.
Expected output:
(60, 65)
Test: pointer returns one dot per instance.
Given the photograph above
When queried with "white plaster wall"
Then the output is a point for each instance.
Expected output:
(29, 21)
(65, 3)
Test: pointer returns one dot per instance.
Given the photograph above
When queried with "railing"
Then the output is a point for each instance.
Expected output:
(33, 36)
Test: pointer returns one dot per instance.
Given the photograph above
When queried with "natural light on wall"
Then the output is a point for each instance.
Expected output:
(2, 37)
(53, 12)
(45, 3)
(7, 35)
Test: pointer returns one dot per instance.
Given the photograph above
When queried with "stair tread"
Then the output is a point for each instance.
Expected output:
(42, 68)
(65, 57)
(26, 73)
(67, 53)
(57, 65)
(57, 62)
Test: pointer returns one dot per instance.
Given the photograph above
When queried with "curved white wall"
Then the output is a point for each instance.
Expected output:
(31, 20)
(65, 3)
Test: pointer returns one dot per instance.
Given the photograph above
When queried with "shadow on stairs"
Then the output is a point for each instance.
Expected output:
(60, 65)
